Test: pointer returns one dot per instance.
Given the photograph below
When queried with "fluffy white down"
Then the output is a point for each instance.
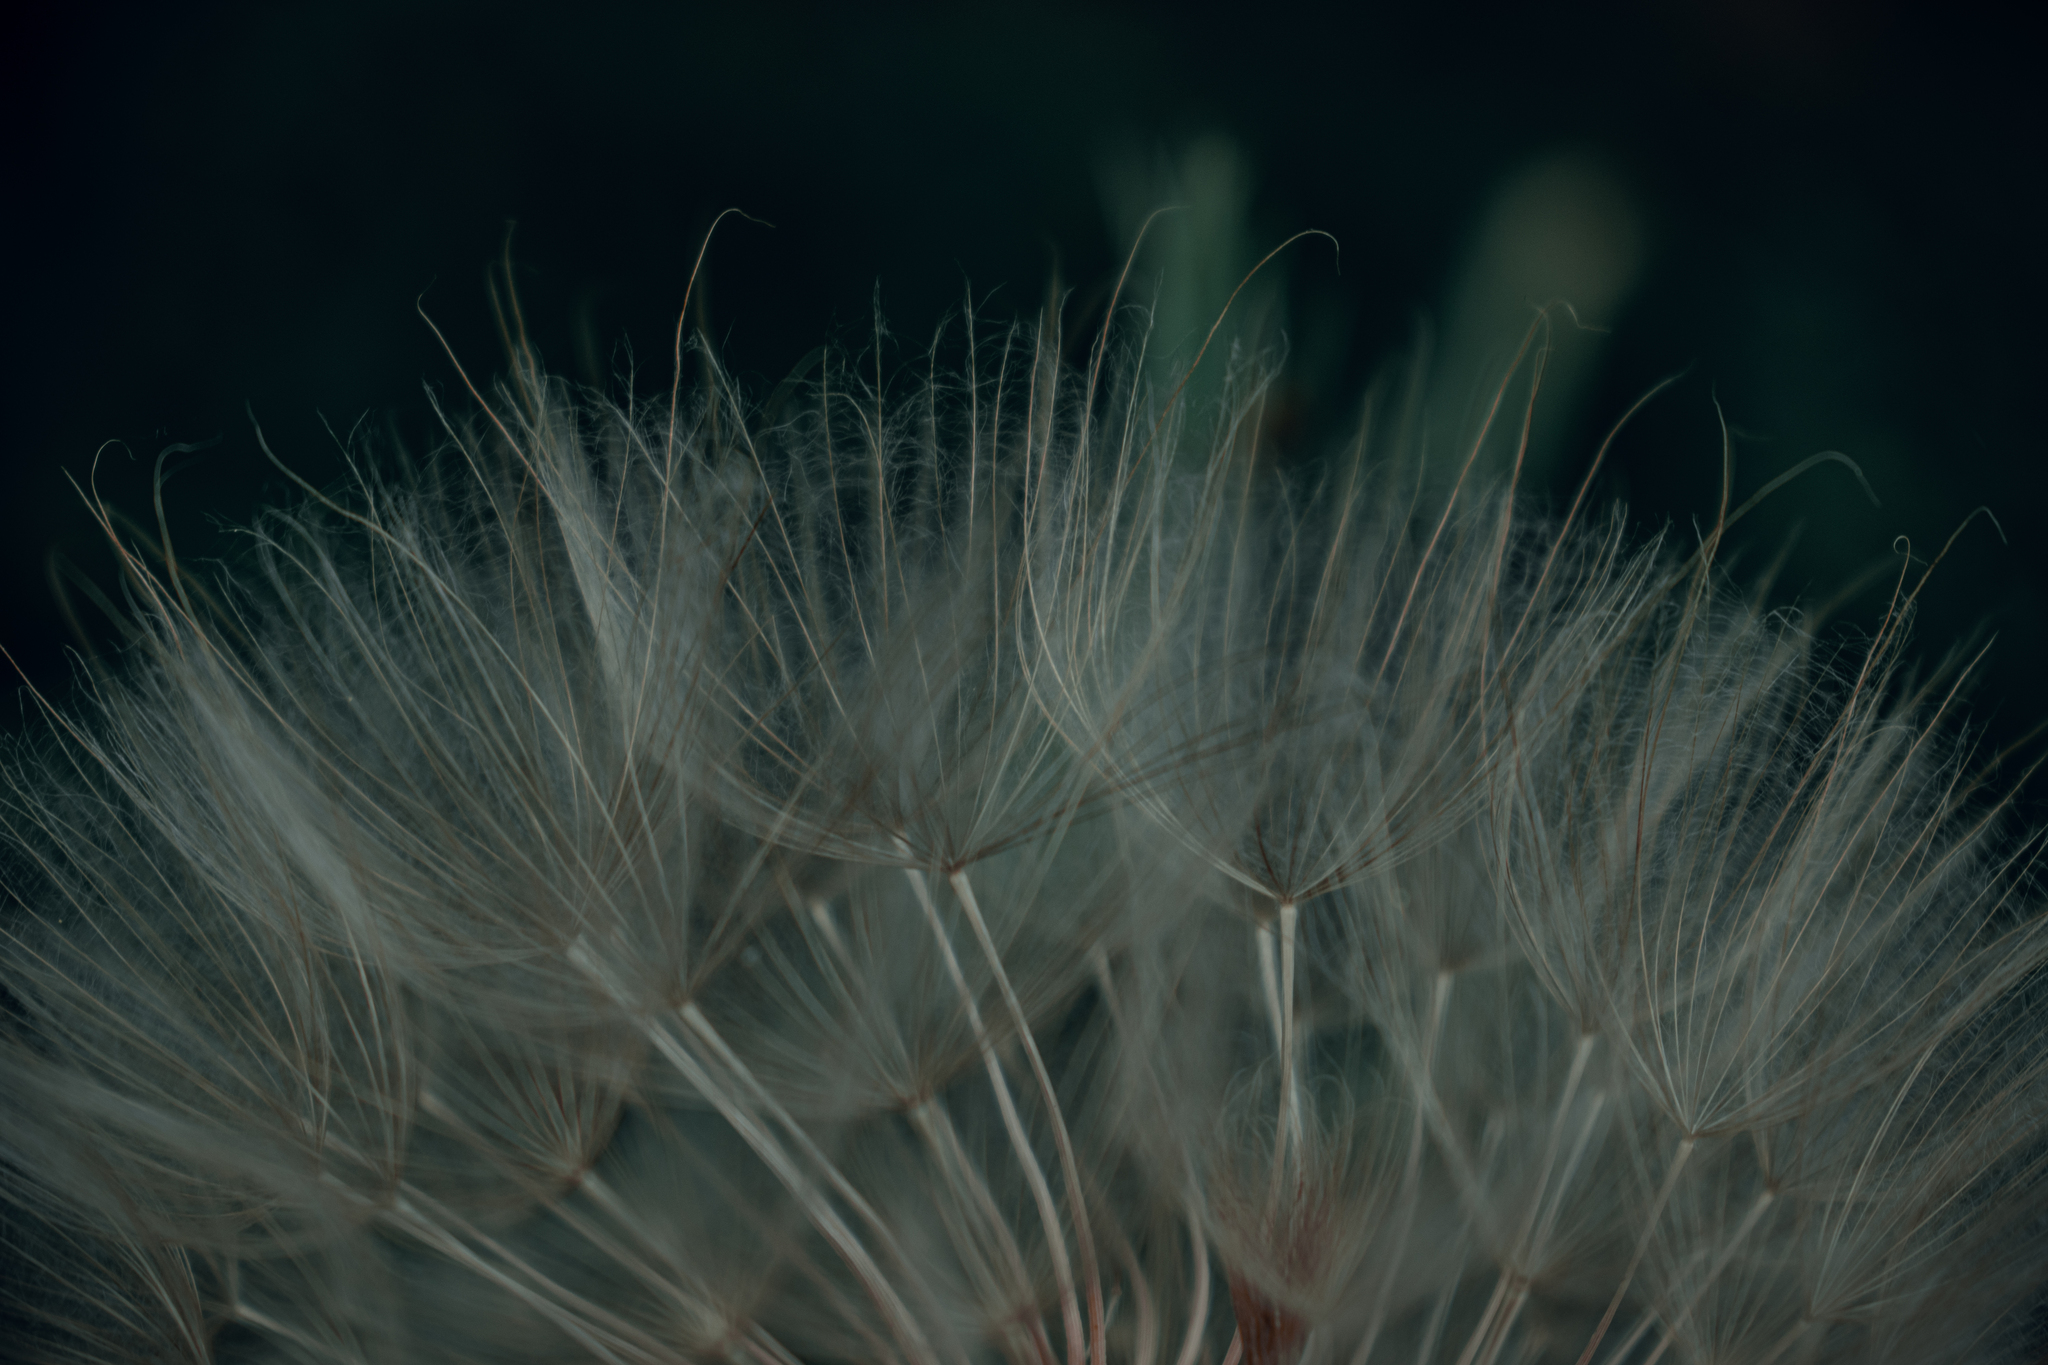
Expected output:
(1004, 871)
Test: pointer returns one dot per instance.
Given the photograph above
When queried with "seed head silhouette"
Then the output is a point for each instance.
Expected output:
(997, 867)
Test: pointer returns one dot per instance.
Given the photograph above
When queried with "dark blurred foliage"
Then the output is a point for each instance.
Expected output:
(1831, 209)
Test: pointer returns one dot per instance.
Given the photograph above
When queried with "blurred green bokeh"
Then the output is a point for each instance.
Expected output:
(1822, 216)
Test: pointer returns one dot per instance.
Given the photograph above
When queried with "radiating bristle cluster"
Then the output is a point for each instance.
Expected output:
(1008, 872)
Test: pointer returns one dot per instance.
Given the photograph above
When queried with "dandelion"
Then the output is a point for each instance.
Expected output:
(991, 867)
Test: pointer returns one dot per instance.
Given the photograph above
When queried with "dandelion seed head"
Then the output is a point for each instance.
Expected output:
(990, 868)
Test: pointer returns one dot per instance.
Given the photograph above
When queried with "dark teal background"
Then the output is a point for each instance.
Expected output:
(218, 207)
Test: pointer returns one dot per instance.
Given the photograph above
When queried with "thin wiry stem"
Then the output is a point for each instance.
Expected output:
(1679, 1156)
(1062, 1140)
(1020, 1141)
